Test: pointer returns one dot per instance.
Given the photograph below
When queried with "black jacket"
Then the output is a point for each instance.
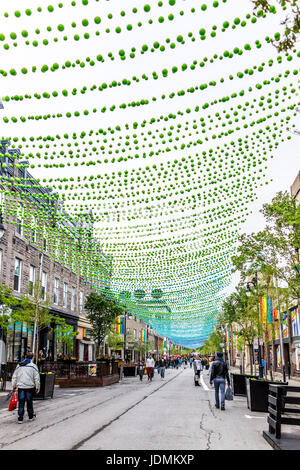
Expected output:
(219, 369)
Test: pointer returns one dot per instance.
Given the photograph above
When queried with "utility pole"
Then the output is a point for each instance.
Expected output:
(280, 334)
(125, 334)
(34, 346)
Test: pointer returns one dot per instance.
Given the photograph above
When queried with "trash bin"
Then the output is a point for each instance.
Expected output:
(47, 386)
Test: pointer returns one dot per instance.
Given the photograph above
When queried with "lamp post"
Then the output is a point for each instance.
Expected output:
(2, 332)
(280, 334)
(125, 335)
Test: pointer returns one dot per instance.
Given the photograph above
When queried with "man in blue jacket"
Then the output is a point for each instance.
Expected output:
(218, 374)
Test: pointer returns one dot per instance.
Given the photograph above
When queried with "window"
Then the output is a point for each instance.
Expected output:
(20, 217)
(17, 275)
(31, 278)
(1, 201)
(44, 238)
(80, 302)
(33, 230)
(56, 290)
(44, 285)
(73, 299)
(65, 294)
(57, 253)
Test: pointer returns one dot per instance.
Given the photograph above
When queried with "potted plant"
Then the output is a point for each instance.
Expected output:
(258, 393)
(238, 382)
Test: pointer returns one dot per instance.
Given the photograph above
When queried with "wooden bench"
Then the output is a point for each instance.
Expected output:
(278, 399)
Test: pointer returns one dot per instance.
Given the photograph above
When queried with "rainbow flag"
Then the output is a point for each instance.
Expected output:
(270, 310)
(144, 335)
(228, 337)
(263, 309)
(120, 325)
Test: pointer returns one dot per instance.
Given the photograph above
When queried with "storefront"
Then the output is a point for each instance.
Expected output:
(85, 345)
(295, 324)
(19, 337)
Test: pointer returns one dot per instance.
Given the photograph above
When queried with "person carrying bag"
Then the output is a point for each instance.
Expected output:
(13, 401)
(26, 379)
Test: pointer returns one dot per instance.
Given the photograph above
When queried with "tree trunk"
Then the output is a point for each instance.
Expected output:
(251, 356)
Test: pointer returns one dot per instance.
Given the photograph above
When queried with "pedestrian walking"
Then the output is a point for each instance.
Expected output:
(141, 370)
(210, 364)
(162, 368)
(150, 363)
(176, 362)
(218, 374)
(197, 369)
(191, 362)
(26, 379)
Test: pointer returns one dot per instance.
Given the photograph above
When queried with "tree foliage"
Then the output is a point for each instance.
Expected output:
(102, 310)
(291, 23)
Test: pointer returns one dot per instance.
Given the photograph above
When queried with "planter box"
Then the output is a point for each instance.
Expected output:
(47, 386)
(238, 382)
(88, 381)
(258, 393)
(130, 370)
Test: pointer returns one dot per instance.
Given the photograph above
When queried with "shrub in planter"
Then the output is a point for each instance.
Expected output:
(258, 392)
(238, 382)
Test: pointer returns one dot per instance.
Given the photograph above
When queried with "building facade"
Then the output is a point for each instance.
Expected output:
(41, 242)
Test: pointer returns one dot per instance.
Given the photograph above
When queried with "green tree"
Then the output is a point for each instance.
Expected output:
(213, 343)
(291, 23)
(115, 341)
(11, 307)
(102, 311)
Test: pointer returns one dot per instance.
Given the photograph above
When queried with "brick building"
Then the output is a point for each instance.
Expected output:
(42, 242)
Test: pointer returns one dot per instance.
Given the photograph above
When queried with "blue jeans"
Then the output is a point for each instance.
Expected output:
(25, 394)
(219, 382)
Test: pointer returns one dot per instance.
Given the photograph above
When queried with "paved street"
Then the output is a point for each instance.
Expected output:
(170, 414)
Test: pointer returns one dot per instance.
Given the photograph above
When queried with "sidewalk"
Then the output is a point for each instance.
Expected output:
(290, 435)
(293, 381)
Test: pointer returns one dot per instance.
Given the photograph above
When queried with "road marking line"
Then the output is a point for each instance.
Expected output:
(253, 417)
(203, 383)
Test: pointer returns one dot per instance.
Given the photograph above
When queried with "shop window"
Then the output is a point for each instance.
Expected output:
(297, 353)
